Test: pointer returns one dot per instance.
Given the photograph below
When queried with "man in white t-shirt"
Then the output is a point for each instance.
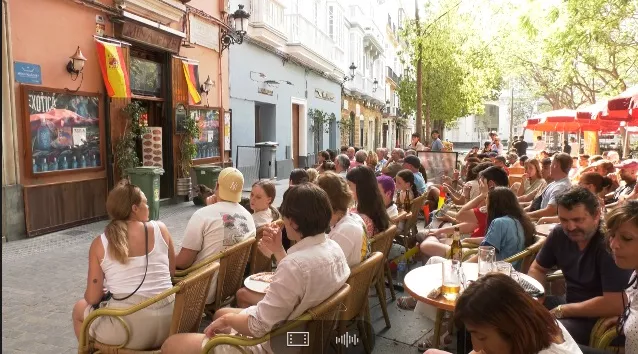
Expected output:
(575, 147)
(217, 226)
(540, 145)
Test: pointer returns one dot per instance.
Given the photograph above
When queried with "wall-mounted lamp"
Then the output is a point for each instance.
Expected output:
(236, 24)
(206, 86)
(375, 85)
(76, 64)
(351, 77)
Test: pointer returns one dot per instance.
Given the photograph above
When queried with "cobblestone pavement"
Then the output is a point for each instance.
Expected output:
(43, 277)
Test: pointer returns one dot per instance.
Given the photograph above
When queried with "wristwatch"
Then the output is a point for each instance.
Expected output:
(558, 312)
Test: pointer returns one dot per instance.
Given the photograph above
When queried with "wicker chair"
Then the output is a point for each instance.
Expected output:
(318, 321)
(232, 263)
(601, 336)
(357, 307)
(408, 236)
(527, 255)
(190, 297)
(382, 242)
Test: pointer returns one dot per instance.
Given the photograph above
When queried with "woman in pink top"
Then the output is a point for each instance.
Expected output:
(368, 199)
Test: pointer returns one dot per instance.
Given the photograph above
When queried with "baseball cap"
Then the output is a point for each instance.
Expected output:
(631, 163)
(230, 184)
(412, 160)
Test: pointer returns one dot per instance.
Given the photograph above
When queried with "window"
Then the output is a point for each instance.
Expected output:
(146, 77)
(331, 23)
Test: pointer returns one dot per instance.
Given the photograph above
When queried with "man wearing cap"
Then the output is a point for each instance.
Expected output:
(394, 165)
(217, 226)
(413, 164)
(627, 172)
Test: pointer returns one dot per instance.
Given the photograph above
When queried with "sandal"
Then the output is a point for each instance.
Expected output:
(406, 303)
(444, 341)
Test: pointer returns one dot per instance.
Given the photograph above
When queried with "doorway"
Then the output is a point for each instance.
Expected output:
(295, 135)
(150, 83)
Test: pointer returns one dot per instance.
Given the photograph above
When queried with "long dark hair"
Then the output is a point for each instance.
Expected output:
(408, 177)
(369, 199)
(503, 202)
(519, 319)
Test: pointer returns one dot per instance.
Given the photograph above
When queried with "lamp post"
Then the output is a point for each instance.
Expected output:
(236, 32)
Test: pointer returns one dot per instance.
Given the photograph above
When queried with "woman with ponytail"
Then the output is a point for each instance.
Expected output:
(130, 262)
(262, 196)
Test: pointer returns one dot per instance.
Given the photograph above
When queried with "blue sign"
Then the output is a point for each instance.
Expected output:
(27, 73)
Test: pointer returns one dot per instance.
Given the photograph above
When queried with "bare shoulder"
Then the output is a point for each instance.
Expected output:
(165, 233)
(97, 248)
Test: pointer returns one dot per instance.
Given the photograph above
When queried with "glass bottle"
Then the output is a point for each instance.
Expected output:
(398, 200)
(456, 253)
(35, 166)
(53, 165)
(45, 166)
(83, 162)
(407, 204)
(64, 164)
(74, 162)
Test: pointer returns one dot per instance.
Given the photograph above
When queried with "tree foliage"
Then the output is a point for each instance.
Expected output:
(459, 68)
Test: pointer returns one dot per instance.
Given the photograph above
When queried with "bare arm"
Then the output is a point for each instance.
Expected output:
(549, 210)
(538, 272)
(185, 258)
(610, 304)
(95, 279)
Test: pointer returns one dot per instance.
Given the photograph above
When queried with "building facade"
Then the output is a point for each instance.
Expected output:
(62, 125)
(474, 129)
(285, 81)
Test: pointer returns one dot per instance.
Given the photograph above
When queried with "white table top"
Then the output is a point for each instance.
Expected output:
(421, 281)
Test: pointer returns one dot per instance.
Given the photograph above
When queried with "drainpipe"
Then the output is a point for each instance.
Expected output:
(10, 170)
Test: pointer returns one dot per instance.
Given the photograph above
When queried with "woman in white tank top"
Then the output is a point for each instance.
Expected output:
(133, 260)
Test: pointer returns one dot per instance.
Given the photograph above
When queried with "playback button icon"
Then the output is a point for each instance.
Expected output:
(298, 339)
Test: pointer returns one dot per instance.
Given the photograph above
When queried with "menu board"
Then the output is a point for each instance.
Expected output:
(152, 147)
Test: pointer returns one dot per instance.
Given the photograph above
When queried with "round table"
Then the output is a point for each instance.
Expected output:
(544, 229)
(419, 282)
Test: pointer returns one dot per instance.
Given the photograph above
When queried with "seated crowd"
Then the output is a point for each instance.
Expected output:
(331, 213)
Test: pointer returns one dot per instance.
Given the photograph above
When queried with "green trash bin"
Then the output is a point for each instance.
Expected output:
(207, 175)
(148, 179)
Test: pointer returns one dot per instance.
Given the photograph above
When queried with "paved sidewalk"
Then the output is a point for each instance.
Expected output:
(43, 277)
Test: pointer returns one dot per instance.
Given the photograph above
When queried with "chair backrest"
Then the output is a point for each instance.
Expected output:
(517, 170)
(190, 299)
(324, 319)
(415, 208)
(360, 280)
(232, 266)
(258, 261)
(382, 242)
(395, 220)
(528, 254)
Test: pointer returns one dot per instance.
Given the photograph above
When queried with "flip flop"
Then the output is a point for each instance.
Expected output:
(406, 303)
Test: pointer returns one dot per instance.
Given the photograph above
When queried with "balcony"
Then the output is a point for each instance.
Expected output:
(373, 41)
(393, 76)
(267, 22)
(356, 84)
(309, 44)
(368, 86)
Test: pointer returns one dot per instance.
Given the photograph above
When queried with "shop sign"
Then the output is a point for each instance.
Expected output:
(151, 37)
(27, 73)
(324, 95)
(265, 91)
(203, 33)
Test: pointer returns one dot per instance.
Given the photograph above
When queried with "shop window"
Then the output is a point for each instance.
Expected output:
(62, 130)
(208, 141)
(146, 77)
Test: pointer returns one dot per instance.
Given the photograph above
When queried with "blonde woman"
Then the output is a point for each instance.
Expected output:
(134, 260)
(372, 160)
(312, 175)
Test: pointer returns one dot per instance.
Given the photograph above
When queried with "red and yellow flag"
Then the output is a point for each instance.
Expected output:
(191, 72)
(114, 70)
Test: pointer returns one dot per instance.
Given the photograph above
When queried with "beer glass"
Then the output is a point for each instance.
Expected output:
(486, 256)
(452, 279)
(503, 267)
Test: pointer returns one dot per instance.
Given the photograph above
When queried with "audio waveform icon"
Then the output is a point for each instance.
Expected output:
(346, 339)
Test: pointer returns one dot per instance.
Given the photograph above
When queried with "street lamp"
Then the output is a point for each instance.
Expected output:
(235, 32)
(351, 77)
(375, 85)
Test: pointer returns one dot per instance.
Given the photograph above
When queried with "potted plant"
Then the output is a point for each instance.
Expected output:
(128, 147)
(188, 151)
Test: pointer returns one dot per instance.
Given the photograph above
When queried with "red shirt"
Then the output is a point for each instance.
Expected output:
(481, 228)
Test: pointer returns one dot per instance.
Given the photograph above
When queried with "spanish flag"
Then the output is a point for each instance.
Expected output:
(192, 80)
(114, 70)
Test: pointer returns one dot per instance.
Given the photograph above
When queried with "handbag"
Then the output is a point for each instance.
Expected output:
(108, 296)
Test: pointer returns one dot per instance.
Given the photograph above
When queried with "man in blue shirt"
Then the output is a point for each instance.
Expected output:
(437, 145)
(413, 164)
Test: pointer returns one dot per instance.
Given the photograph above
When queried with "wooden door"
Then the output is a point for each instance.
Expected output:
(295, 135)
(257, 124)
